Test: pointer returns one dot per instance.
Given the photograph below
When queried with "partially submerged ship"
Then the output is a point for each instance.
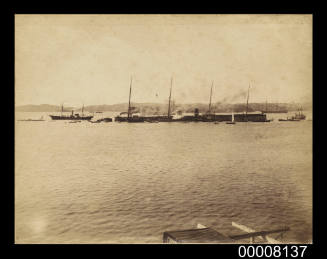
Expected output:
(224, 117)
(210, 116)
(72, 116)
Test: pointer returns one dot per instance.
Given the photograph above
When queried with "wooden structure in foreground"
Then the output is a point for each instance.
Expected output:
(203, 234)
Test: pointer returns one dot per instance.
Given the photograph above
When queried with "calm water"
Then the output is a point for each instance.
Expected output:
(128, 183)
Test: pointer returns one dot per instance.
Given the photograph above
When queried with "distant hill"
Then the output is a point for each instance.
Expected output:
(40, 108)
(157, 108)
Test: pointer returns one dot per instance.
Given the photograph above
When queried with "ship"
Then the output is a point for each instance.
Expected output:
(73, 116)
(237, 117)
(132, 116)
(163, 118)
(41, 119)
(299, 115)
(209, 116)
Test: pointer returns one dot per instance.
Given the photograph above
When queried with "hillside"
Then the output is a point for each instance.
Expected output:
(157, 108)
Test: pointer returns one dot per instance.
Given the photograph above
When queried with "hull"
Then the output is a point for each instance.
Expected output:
(131, 120)
(107, 120)
(135, 119)
(158, 119)
(288, 120)
(198, 118)
(55, 117)
(226, 118)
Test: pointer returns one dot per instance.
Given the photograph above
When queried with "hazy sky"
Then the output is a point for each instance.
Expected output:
(89, 59)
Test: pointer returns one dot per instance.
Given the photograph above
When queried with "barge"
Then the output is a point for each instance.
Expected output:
(73, 116)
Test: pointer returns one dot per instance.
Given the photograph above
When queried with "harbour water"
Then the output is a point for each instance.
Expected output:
(130, 182)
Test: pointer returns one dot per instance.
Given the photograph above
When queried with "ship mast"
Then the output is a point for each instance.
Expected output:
(210, 98)
(129, 99)
(83, 110)
(62, 109)
(171, 85)
(247, 102)
(266, 106)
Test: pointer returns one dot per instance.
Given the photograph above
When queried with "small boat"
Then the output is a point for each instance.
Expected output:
(216, 122)
(233, 121)
(41, 119)
(102, 120)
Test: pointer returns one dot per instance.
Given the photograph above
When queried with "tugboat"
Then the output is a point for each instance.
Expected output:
(72, 116)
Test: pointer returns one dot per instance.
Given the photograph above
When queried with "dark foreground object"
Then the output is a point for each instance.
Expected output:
(203, 235)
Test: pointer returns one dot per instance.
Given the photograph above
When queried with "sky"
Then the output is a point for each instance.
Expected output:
(90, 59)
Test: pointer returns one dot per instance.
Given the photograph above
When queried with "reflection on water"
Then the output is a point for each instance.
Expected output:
(128, 183)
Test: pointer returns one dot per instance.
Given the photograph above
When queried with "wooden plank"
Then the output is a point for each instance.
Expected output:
(200, 226)
(202, 235)
(259, 233)
(263, 238)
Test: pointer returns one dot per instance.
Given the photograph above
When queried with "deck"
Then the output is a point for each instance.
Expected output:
(203, 235)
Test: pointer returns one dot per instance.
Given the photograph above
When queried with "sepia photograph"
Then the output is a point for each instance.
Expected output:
(163, 129)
